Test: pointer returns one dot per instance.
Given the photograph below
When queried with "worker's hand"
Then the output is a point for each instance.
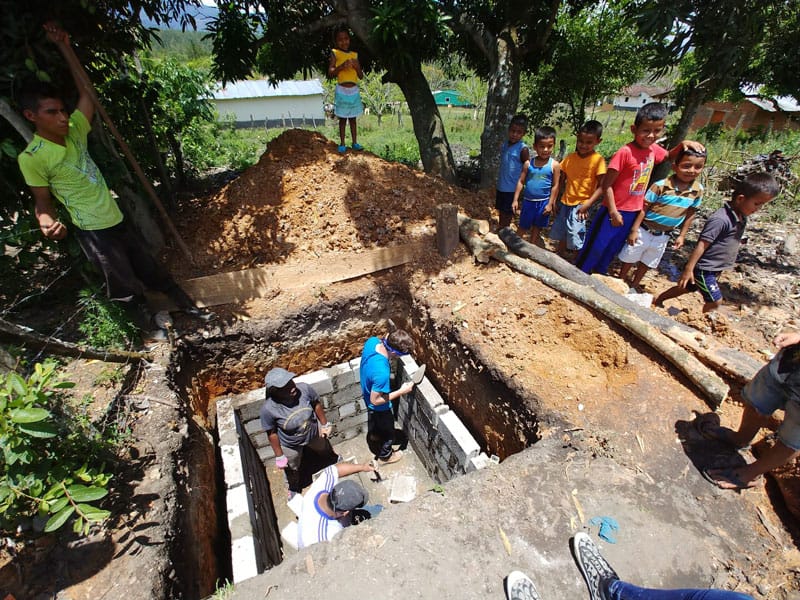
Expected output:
(632, 237)
(515, 206)
(406, 388)
(325, 430)
(367, 468)
(615, 218)
(786, 339)
(55, 230)
(583, 211)
(281, 462)
(548, 208)
(678, 243)
(55, 33)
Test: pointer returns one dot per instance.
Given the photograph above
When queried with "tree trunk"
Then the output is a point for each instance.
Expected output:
(501, 103)
(19, 123)
(17, 334)
(728, 361)
(434, 150)
(177, 151)
(706, 380)
(162, 168)
(693, 102)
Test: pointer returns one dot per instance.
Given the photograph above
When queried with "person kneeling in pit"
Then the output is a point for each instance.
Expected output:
(329, 504)
(296, 426)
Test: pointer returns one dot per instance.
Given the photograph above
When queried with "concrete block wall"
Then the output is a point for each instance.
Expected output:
(436, 434)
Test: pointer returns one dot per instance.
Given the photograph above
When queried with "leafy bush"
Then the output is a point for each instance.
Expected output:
(105, 323)
(52, 464)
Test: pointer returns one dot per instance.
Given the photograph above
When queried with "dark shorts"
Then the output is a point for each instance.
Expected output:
(532, 214)
(705, 282)
(127, 267)
(503, 202)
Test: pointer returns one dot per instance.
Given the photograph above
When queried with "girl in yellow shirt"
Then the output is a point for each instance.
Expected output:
(345, 67)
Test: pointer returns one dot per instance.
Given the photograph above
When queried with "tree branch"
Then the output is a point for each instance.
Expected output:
(17, 122)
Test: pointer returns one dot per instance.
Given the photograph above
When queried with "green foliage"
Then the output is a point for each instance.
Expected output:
(52, 464)
(595, 53)
(105, 323)
(377, 95)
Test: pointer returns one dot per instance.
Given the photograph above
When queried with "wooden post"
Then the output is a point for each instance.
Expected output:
(446, 228)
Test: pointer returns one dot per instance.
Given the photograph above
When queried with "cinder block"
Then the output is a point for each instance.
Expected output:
(232, 465)
(427, 394)
(319, 380)
(266, 453)
(249, 411)
(356, 420)
(457, 437)
(243, 558)
(341, 375)
(476, 463)
(256, 395)
(260, 439)
(410, 366)
(253, 426)
(345, 395)
(346, 410)
(355, 366)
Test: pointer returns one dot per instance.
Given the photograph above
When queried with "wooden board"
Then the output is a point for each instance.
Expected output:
(240, 286)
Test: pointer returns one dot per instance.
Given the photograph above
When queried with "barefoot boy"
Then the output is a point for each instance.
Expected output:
(667, 204)
(720, 239)
(776, 385)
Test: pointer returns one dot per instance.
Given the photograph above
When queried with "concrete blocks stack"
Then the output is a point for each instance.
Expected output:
(243, 550)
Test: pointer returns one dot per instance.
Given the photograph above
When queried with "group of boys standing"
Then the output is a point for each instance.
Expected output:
(635, 219)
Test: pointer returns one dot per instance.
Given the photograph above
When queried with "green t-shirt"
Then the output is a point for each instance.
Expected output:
(72, 176)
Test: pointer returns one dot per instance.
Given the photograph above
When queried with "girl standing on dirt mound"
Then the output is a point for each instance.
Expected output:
(345, 67)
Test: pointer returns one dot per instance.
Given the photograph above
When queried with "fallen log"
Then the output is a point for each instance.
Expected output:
(712, 386)
(728, 361)
(18, 334)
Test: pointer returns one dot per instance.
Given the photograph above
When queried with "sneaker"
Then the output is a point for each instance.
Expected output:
(595, 569)
(342, 149)
(395, 456)
(357, 147)
(520, 587)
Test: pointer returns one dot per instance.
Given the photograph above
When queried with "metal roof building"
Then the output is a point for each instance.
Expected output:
(260, 103)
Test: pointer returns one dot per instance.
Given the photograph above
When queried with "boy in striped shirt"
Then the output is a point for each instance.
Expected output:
(669, 203)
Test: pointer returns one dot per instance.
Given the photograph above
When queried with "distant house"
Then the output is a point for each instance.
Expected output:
(636, 96)
(259, 103)
(450, 98)
(754, 112)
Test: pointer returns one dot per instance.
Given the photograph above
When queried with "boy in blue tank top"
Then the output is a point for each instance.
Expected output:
(538, 183)
(513, 154)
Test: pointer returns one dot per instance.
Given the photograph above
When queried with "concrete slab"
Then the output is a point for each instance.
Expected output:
(461, 543)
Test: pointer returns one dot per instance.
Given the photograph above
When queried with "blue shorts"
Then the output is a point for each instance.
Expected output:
(705, 282)
(532, 214)
(567, 226)
(769, 391)
(503, 202)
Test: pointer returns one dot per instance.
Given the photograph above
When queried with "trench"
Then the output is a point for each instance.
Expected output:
(501, 419)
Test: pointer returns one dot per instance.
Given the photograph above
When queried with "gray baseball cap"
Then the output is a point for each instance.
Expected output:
(278, 378)
(347, 495)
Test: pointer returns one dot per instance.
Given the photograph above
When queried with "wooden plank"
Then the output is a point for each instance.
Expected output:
(240, 286)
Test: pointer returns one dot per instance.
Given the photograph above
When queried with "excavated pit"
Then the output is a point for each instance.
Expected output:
(500, 419)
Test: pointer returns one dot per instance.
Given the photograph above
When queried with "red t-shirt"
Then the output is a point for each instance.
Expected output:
(634, 165)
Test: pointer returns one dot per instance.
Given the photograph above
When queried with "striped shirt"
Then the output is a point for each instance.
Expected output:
(314, 525)
(666, 206)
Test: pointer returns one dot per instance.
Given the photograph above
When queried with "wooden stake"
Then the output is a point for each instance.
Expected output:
(446, 228)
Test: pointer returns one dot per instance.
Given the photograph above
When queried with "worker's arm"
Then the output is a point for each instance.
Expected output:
(61, 39)
(344, 469)
(687, 276)
(608, 182)
(280, 460)
(46, 215)
(377, 398)
(322, 419)
(551, 203)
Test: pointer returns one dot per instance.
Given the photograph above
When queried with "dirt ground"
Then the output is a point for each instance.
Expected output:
(624, 402)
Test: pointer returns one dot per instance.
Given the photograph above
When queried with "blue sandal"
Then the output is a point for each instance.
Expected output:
(357, 147)
(342, 149)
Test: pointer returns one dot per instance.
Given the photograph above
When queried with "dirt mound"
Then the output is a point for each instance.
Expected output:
(304, 198)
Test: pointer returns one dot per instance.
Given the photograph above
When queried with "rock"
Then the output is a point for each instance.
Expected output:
(789, 245)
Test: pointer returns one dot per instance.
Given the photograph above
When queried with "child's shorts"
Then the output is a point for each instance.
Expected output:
(532, 214)
(766, 393)
(648, 249)
(705, 282)
(503, 202)
(566, 226)
(347, 102)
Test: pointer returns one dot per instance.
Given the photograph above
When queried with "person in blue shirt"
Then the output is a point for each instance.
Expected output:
(375, 388)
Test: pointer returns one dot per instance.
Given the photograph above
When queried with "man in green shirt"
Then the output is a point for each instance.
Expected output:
(56, 163)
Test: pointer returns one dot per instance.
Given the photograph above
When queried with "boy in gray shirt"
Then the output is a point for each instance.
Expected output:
(720, 239)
